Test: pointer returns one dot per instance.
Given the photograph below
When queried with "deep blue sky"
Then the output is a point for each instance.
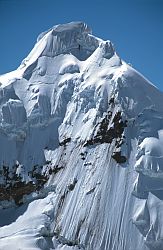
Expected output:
(134, 26)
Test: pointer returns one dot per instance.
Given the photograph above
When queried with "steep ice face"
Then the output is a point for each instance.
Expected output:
(81, 148)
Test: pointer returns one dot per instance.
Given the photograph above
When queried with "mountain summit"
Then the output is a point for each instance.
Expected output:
(81, 160)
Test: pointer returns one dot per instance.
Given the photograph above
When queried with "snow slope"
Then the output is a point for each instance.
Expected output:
(81, 136)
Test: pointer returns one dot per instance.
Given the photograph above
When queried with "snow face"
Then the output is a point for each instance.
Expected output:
(81, 136)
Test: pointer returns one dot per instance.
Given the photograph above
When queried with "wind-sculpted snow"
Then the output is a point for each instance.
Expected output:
(81, 136)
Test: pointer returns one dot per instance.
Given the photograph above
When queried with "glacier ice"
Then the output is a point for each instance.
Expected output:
(81, 136)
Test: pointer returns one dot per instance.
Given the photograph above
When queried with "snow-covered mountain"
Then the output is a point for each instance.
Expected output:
(81, 158)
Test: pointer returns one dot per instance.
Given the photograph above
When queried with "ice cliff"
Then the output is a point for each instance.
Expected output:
(81, 158)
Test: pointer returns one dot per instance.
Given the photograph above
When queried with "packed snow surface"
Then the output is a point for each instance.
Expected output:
(81, 159)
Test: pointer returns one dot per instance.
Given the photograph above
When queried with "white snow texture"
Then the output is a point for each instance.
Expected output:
(93, 126)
